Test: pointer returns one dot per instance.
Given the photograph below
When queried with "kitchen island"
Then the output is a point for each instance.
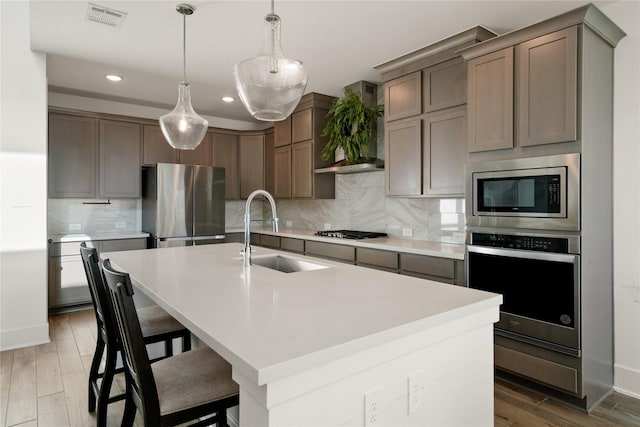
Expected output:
(335, 345)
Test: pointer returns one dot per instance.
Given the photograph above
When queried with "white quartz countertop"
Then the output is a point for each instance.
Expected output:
(271, 324)
(418, 247)
(62, 238)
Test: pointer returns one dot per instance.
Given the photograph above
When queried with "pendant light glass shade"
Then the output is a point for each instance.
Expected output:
(270, 85)
(182, 127)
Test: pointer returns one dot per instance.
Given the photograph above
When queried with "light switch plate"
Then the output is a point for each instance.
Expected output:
(75, 227)
(407, 232)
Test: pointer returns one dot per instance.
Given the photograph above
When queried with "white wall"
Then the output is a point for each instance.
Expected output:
(626, 180)
(23, 183)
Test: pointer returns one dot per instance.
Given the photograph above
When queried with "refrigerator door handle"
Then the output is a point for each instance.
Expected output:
(215, 237)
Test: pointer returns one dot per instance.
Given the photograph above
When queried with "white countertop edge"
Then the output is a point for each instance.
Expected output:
(417, 247)
(85, 237)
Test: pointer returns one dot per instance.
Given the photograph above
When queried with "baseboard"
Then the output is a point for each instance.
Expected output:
(24, 337)
(626, 381)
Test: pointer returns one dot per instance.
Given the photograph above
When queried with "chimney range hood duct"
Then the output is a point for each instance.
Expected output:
(368, 92)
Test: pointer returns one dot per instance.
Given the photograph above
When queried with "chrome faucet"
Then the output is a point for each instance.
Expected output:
(246, 251)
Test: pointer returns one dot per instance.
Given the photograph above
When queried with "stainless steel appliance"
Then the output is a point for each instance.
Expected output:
(183, 205)
(350, 234)
(539, 279)
(534, 193)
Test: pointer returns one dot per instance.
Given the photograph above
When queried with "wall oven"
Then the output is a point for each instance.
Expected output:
(534, 193)
(539, 278)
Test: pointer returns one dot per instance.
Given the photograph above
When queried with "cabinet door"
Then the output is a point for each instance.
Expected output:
(155, 148)
(444, 152)
(403, 157)
(72, 158)
(302, 125)
(490, 101)
(282, 132)
(403, 97)
(269, 163)
(120, 147)
(547, 88)
(224, 149)
(444, 85)
(251, 164)
(282, 172)
(302, 170)
(200, 156)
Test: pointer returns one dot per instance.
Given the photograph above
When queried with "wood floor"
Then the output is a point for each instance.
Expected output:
(46, 385)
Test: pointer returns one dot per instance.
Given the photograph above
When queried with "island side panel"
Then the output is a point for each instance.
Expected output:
(455, 372)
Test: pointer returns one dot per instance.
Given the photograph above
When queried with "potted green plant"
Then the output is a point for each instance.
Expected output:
(350, 127)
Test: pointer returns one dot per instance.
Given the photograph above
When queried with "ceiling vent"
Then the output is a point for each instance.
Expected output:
(104, 15)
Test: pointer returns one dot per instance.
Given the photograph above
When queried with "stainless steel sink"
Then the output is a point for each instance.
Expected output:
(285, 264)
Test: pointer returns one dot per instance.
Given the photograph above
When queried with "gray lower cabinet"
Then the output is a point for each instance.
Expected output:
(378, 259)
(445, 270)
(292, 245)
(331, 250)
(270, 241)
(67, 280)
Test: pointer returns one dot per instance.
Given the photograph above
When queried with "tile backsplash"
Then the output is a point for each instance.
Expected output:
(360, 204)
(77, 216)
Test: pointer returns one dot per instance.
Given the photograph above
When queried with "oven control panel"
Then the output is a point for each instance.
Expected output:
(530, 243)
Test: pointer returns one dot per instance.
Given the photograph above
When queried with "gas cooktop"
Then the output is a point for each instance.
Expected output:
(350, 234)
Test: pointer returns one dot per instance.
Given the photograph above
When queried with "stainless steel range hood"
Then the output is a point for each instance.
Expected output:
(368, 92)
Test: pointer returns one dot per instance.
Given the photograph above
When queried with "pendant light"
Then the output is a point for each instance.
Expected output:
(270, 85)
(182, 127)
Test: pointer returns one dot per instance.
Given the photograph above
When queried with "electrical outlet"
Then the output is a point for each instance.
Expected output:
(121, 224)
(407, 232)
(371, 407)
(327, 226)
(288, 223)
(415, 385)
(75, 227)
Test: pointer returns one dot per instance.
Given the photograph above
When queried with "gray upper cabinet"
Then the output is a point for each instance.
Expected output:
(120, 149)
(282, 172)
(72, 156)
(224, 153)
(269, 162)
(90, 157)
(444, 152)
(302, 170)
(251, 154)
(155, 148)
(547, 88)
(403, 157)
(444, 85)
(490, 101)
(200, 156)
(402, 97)
(302, 125)
(282, 132)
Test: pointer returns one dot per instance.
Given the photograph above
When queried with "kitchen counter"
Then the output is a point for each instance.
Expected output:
(418, 247)
(62, 238)
(305, 347)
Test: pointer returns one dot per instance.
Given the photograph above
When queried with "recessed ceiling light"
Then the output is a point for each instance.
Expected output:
(228, 99)
(113, 77)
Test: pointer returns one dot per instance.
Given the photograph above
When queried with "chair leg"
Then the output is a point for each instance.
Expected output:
(222, 418)
(94, 373)
(105, 387)
(129, 408)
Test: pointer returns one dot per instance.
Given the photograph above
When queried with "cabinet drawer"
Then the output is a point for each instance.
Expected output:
(122, 245)
(330, 250)
(293, 245)
(377, 258)
(431, 266)
(270, 241)
(67, 248)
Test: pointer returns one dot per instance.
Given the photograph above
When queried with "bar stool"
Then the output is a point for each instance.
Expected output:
(156, 324)
(174, 390)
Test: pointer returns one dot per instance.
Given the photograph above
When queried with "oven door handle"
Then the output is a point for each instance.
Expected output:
(518, 253)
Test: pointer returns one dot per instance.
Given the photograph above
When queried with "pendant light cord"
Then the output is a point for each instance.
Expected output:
(184, 47)
(272, 9)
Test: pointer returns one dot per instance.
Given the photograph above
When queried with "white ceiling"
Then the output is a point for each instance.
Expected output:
(338, 41)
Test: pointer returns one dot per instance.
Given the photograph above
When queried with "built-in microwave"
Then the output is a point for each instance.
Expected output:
(536, 193)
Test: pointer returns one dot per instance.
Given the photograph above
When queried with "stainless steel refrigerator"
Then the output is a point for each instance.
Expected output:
(183, 205)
